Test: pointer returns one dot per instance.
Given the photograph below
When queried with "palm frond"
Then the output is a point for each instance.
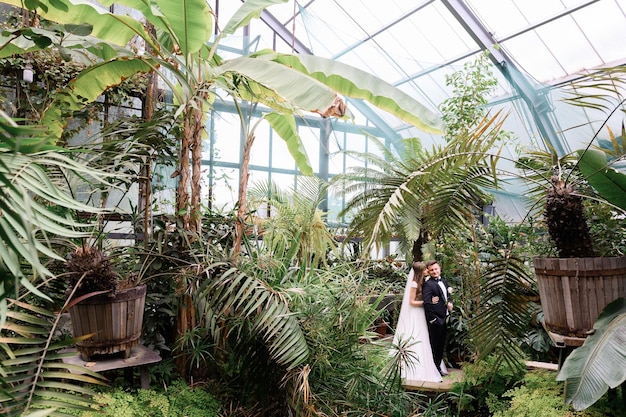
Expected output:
(292, 216)
(34, 205)
(34, 375)
(443, 187)
(501, 312)
(599, 90)
(251, 306)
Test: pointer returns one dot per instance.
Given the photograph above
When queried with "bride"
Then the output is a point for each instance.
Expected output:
(411, 338)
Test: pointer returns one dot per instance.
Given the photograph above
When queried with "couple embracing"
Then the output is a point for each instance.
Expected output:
(422, 324)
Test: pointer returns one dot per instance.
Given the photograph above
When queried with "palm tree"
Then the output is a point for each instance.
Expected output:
(284, 217)
(35, 207)
(284, 83)
(438, 195)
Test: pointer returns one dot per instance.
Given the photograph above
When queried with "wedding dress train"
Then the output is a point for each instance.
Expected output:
(412, 333)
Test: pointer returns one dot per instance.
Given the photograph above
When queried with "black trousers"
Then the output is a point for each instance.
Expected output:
(437, 336)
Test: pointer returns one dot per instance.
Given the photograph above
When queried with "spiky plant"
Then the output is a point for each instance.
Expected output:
(91, 270)
(566, 222)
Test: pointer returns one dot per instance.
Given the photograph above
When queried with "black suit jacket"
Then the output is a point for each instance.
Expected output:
(435, 312)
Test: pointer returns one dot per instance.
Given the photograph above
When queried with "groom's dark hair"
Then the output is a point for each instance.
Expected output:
(431, 262)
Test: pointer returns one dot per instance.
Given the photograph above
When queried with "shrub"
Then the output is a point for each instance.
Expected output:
(177, 400)
(541, 395)
(484, 384)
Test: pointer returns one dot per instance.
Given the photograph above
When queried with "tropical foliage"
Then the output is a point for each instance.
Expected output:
(265, 313)
(589, 371)
(433, 199)
(237, 300)
(33, 374)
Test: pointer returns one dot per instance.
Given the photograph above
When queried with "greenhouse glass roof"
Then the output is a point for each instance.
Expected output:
(414, 44)
(535, 45)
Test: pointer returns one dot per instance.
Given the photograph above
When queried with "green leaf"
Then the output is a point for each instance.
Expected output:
(187, 24)
(605, 179)
(356, 83)
(118, 30)
(88, 86)
(591, 369)
(32, 39)
(285, 126)
(78, 30)
(281, 82)
(249, 10)
(189, 21)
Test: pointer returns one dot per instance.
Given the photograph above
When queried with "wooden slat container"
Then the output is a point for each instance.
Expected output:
(113, 323)
(574, 291)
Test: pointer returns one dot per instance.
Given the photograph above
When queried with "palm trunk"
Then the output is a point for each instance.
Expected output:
(243, 189)
(566, 221)
(196, 161)
(182, 193)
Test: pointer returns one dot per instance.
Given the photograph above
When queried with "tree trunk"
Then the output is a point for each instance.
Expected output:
(566, 221)
(182, 193)
(143, 205)
(243, 189)
(197, 115)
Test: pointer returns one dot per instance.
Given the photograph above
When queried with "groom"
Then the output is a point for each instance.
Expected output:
(437, 308)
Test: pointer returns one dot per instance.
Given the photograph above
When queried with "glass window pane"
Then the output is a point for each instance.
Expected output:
(336, 143)
(226, 134)
(281, 158)
(224, 188)
(311, 142)
(533, 57)
(567, 43)
(260, 151)
(604, 24)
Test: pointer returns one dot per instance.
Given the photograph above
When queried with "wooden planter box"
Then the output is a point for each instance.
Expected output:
(574, 291)
(113, 323)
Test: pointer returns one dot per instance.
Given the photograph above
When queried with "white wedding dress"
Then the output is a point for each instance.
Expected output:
(412, 333)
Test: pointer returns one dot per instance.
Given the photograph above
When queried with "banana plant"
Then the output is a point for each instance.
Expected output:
(181, 48)
(182, 53)
(589, 371)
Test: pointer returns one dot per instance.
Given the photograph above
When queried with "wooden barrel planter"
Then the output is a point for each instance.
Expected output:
(574, 291)
(114, 323)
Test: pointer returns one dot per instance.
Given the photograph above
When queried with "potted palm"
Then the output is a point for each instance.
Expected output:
(583, 278)
(106, 309)
(576, 285)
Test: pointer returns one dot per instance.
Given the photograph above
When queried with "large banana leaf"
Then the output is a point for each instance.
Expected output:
(116, 29)
(281, 82)
(86, 88)
(598, 364)
(187, 23)
(251, 9)
(607, 181)
(285, 126)
(356, 83)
